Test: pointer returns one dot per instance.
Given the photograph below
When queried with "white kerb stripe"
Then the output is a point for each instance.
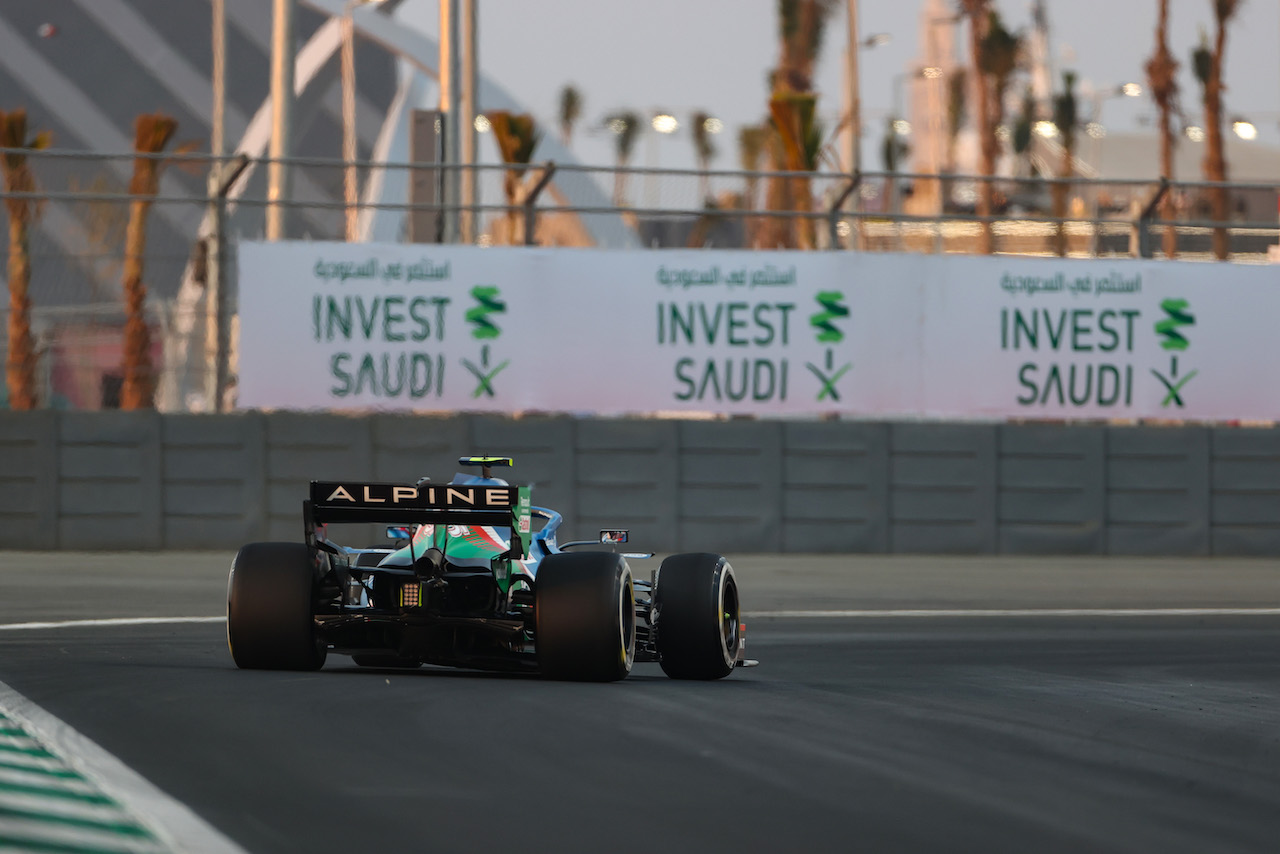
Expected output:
(70, 785)
(34, 763)
(41, 835)
(66, 808)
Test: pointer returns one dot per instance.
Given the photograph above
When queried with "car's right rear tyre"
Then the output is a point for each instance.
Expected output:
(696, 612)
(270, 608)
(584, 617)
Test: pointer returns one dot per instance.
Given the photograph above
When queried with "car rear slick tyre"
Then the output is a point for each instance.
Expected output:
(585, 617)
(697, 616)
(270, 608)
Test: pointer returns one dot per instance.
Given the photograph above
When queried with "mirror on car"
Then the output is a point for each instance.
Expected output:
(399, 532)
(610, 538)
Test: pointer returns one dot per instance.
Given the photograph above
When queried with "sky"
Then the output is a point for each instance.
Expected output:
(682, 56)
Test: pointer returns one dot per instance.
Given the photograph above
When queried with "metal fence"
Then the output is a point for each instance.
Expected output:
(83, 208)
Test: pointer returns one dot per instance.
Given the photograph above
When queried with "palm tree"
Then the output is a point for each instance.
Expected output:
(801, 24)
(1162, 77)
(775, 232)
(570, 110)
(20, 367)
(1066, 120)
(801, 135)
(1215, 162)
(517, 136)
(1001, 51)
(624, 126)
(152, 133)
(705, 150)
(979, 15)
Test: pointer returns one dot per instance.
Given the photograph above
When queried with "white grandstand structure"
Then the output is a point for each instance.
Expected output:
(85, 69)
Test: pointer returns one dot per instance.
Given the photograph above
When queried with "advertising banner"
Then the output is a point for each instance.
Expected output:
(1033, 338)
(432, 328)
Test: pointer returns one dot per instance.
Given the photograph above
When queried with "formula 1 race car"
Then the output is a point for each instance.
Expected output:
(468, 582)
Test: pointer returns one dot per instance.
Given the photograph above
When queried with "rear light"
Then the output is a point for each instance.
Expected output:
(410, 594)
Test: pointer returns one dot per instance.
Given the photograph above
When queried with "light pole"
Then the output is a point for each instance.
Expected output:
(217, 127)
(350, 189)
(451, 107)
(935, 123)
(469, 186)
(278, 177)
(853, 95)
(215, 286)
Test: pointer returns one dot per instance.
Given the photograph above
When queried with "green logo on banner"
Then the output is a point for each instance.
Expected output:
(484, 329)
(826, 332)
(488, 304)
(1169, 329)
(833, 308)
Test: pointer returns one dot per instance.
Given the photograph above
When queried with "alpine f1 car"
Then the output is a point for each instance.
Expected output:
(469, 582)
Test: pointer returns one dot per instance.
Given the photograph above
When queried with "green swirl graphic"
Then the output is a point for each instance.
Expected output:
(487, 297)
(832, 302)
(1168, 328)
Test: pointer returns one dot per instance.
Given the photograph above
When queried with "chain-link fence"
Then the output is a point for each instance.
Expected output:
(84, 221)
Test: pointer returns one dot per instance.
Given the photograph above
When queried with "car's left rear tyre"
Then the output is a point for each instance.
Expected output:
(271, 606)
(584, 617)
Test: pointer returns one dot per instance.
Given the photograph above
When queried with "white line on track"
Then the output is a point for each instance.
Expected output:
(1021, 612)
(799, 614)
(118, 621)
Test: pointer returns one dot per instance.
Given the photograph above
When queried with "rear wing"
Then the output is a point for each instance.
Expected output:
(404, 504)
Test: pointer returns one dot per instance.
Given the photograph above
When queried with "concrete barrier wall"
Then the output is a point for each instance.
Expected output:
(118, 480)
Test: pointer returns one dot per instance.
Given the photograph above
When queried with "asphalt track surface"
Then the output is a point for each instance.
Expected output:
(1014, 732)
